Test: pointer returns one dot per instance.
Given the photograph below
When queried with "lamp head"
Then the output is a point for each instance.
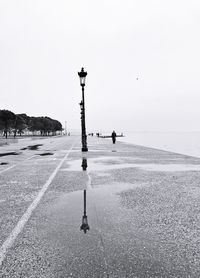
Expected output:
(82, 74)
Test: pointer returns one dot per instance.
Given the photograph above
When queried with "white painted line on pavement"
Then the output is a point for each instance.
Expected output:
(16, 164)
(25, 217)
(7, 168)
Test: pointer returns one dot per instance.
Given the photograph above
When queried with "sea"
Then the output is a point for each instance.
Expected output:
(187, 143)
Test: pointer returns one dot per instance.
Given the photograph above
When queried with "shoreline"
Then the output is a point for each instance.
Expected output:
(185, 143)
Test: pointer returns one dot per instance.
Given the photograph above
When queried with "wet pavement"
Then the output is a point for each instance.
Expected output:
(117, 211)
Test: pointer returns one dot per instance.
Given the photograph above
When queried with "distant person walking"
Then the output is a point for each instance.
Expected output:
(113, 135)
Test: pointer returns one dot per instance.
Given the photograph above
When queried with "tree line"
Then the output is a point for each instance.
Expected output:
(11, 123)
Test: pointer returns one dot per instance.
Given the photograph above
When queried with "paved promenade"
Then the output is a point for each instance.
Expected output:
(142, 207)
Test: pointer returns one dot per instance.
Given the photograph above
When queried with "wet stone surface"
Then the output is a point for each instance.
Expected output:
(142, 208)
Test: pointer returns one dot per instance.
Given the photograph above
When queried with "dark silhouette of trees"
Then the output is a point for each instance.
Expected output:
(19, 123)
(45, 125)
(7, 119)
(35, 124)
(56, 126)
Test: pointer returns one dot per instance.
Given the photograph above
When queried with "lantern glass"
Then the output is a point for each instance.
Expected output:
(82, 74)
(82, 81)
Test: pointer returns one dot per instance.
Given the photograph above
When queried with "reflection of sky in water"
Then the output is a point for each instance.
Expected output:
(110, 163)
(170, 167)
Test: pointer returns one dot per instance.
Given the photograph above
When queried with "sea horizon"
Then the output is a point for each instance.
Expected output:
(183, 142)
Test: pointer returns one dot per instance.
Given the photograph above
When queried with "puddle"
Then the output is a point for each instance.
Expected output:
(43, 154)
(10, 153)
(3, 163)
(110, 163)
(169, 167)
(117, 187)
(32, 147)
(98, 164)
(103, 174)
(80, 205)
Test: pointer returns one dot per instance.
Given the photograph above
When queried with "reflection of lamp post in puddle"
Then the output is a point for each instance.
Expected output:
(84, 225)
(84, 164)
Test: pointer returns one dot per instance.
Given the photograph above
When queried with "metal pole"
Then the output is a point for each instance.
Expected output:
(84, 136)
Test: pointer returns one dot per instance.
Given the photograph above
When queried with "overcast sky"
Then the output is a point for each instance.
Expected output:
(142, 59)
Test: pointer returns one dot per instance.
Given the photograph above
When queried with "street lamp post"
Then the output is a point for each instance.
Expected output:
(82, 74)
